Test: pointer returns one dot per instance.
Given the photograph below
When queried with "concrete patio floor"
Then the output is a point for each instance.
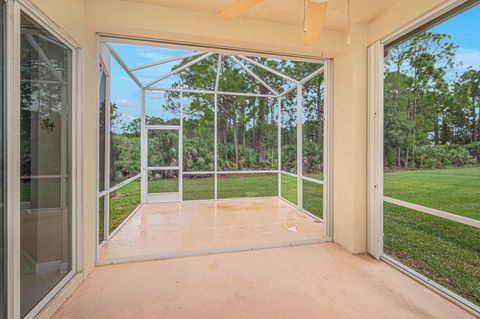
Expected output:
(311, 281)
(193, 227)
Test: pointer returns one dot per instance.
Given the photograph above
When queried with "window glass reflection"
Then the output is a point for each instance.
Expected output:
(45, 229)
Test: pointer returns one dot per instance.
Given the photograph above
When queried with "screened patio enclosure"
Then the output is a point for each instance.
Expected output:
(180, 125)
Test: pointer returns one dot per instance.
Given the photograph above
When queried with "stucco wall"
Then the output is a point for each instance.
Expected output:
(82, 18)
(350, 143)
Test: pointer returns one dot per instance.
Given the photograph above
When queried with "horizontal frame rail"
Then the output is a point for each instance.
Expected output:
(288, 174)
(163, 127)
(266, 68)
(305, 80)
(248, 172)
(179, 69)
(254, 75)
(43, 177)
(213, 251)
(313, 180)
(176, 58)
(194, 91)
(434, 212)
(199, 173)
(120, 185)
(163, 168)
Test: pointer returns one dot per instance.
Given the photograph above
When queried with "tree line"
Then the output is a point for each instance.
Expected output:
(431, 105)
(247, 127)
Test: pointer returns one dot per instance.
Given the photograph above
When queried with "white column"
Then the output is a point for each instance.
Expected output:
(180, 151)
(299, 146)
(143, 151)
(279, 141)
(328, 149)
(106, 203)
(375, 150)
(215, 142)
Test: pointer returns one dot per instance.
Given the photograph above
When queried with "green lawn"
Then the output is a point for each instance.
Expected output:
(289, 188)
(312, 193)
(313, 198)
(238, 186)
(445, 251)
(454, 190)
(122, 202)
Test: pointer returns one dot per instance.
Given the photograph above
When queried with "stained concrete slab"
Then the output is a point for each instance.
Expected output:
(188, 226)
(303, 282)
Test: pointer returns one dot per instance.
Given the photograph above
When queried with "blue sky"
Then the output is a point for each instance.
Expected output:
(465, 31)
(124, 92)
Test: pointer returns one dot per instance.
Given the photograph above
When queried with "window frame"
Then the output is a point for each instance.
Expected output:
(13, 34)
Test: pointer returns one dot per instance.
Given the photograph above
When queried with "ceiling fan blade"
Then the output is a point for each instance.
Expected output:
(314, 21)
(239, 7)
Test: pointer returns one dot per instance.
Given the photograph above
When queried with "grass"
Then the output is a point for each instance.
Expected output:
(313, 198)
(454, 190)
(312, 193)
(238, 186)
(122, 202)
(289, 188)
(442, 250)
(199, 188)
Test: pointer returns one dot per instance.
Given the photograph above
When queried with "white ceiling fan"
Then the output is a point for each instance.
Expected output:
(314, 16)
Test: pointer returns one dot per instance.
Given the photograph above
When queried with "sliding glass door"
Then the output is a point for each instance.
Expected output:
(3, 215)
(45, 163)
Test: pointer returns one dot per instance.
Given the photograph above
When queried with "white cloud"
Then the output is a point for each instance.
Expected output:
(468, 57)
(123, 102)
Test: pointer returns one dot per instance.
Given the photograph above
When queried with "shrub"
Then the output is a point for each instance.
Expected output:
(474, 150)
(441, 156)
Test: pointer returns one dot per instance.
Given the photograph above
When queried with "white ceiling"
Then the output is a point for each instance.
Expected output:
(289, 11)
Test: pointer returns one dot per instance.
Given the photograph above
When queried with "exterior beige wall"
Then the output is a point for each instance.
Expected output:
(350, 143)
(81, 19)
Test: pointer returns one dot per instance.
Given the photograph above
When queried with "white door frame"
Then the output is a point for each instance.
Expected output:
(13, 36)
(154, 197)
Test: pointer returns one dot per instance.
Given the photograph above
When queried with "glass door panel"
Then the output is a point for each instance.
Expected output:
(3, 211)
(45, 176)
